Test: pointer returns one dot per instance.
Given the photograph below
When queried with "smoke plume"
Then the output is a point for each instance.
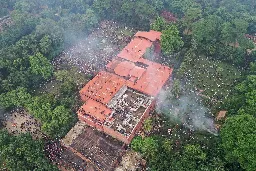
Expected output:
(187, 110)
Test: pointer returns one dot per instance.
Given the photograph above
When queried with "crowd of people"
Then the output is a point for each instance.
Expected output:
(18, 121)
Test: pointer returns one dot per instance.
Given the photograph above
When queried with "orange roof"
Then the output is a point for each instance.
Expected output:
(102, 87)
(135, 49)
(96, 110)
(151, 35)
(137, 72)
(124, 68)
(112, 64)
(153, 79)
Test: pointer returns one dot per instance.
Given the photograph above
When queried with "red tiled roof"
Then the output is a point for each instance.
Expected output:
(152, 35)
(124, 68)
(96, 110)
(137, 72)
(135, 49)
(102, 87)
(148, 79)
(153, 79)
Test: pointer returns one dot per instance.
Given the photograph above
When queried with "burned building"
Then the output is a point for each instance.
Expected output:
(118, 100)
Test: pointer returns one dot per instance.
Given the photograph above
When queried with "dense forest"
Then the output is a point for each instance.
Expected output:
(205, 41)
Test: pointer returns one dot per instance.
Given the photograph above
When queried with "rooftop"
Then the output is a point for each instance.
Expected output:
(138, 45)
(121, 114)
(145, 76)
(117, 99)
(102, 87)
(103, 151)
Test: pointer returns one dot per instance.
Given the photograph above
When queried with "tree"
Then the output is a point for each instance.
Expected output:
(159, 24)
(206, 34)
(58, 122)
(15, 98)
(233, 32)
(39, 65)
(161, 154)
(148, 125)
(171, 40)
(192, 14)
(176, 88)
(22, 153)
(56, 119)
(244, 99)
(238, 136)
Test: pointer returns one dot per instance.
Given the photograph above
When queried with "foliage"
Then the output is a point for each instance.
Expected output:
(243, 99)
(22, 153)
(162, 155)
(40, 66)
(159, 24)
(56, 119)
(171, 40)
(192, 14)
(15, 98)
(148, 125)
(238, 140)
(176, 88)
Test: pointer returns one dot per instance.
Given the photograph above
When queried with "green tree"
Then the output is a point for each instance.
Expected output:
(244, 99)
(238, 136)
(40, 65)
(176, 88)
(192, 14)
(206, 34)
(159, 24)
(22, 153)
(15, 98)
(233, 32)
(171, 40)
(148, 125)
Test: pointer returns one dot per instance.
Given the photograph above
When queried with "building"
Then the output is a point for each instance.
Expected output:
(118, 100)
(86, 149)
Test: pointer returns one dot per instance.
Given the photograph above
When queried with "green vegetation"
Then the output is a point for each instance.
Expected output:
(207, 42)
(170, 40)
(214, 77)
(22, 153)
(238, 140)
(163, 154)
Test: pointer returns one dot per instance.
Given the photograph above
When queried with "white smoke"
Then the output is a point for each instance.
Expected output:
(90, 54)
(187, 110)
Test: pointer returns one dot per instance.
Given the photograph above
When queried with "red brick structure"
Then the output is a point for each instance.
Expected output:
(118, 100)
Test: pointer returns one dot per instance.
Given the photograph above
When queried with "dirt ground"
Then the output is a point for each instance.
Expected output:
(131, 161)
(19, 121)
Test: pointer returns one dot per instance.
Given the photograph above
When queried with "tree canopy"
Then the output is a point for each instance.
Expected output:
(238, 140)
(22, 153)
